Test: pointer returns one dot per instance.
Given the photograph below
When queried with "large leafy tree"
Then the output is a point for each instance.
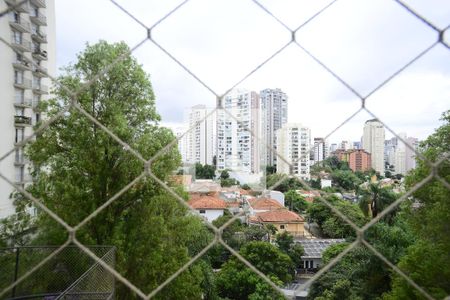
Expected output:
(426, 260)
(237, 281)
(295, 202)
(78, 167)
(361, 274)
(204, 171)
(330, 223)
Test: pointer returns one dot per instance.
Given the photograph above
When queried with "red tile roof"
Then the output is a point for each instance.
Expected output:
(279, 216)
(207, 202)
(265, 204)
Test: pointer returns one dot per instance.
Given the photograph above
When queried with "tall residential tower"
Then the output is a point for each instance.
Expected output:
(274, 104)
(30, 30)
(373, 142)
(293, 144)
(238, 148)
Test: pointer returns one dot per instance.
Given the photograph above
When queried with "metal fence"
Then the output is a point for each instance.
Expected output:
(71, 274)
(147, 172)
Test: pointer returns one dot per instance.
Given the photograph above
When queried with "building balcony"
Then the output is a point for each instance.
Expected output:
(22, 65)
(39, 37)
(39, 19)
(22, 102)
(38, 3)
(40, 89)
(19, 25)
(22, 121)
(23, 83)
(21, 44)
(39, 54)
(23, 8)
(39, 71)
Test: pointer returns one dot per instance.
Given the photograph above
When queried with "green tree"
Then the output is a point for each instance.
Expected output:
(224, 174)
(425, 260)
(368, 276)
(285, 242)
(78, 167)
(295, 202)
(377, 198)
(346, 180)
(270, 170)
(282, 182)
(237, 281)
(204, 171)
(330, 223)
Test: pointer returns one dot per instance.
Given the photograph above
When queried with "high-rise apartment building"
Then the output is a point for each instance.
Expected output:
(410, 154)
(237, 148)
(180, 133)
(389, 150)
(320, 148)
(30, 30)
(274, 105)
(201, 138)
(346, 145)
(404, 156)
(359, 160)
(293, 144)
(373, 142)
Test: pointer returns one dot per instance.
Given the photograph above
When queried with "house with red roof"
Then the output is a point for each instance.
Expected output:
(257, 205)
(208, 206)
(282, 219)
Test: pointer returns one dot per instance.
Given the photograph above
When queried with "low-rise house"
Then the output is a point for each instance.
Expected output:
(275, 195)
(282, 219)
(209, 207)
(312, 258)
(257, 205)
(204, 186)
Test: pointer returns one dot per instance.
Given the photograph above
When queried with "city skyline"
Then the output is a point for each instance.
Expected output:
(412, 102)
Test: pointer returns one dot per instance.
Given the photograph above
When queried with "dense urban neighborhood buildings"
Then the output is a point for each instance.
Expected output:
(30, 30)
(240, 142)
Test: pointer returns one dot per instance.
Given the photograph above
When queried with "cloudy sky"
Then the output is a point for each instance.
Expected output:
(363, 42)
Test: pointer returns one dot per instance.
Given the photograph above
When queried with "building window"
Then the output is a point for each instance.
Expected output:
(17, 36)
(20, 134)
(19, 174)
(202, 211)
(19, 95)
(282, 227)
(18, 77)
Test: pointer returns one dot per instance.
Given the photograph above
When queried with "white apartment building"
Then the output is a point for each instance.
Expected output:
(404, 157)
(30, 30)
(237, 149)
(201, 138)
(346, 145)
(293, 144)
(274, 105)
(320, 148)
(373, 142)
(180, 133)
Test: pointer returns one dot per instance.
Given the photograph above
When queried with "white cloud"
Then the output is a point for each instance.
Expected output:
(221, 41)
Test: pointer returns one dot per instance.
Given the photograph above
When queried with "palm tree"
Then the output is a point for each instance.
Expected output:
(376, 198)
